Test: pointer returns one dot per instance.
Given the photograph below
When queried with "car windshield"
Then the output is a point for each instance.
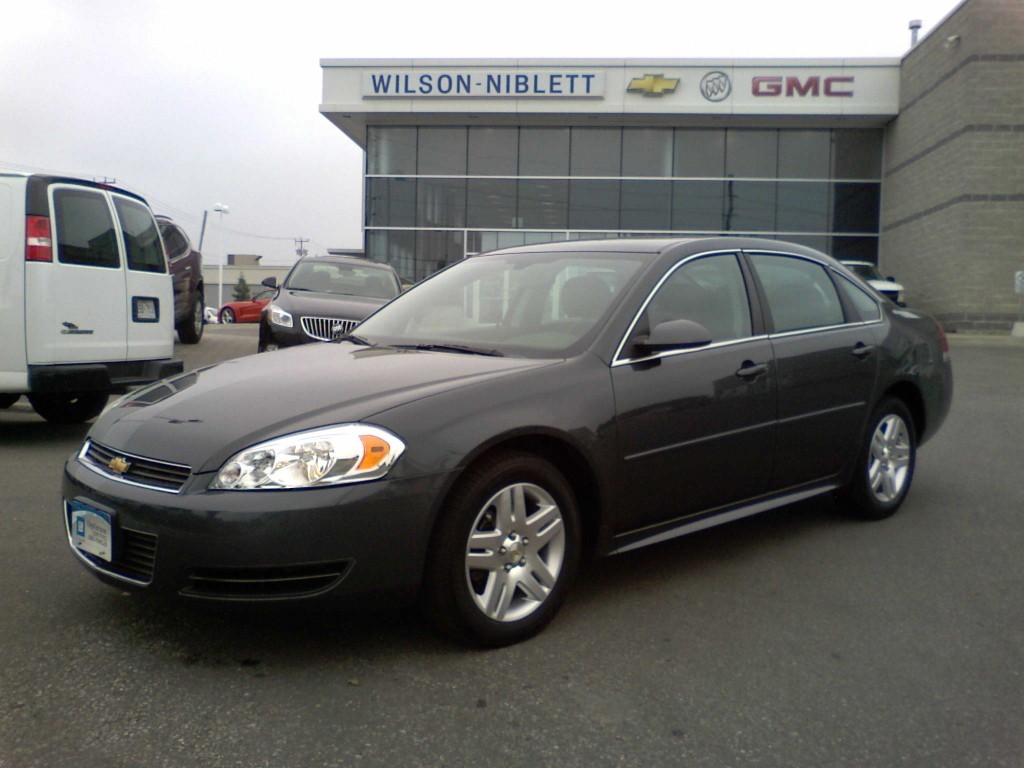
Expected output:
(342, 279)
(525, 304)
(865, 271)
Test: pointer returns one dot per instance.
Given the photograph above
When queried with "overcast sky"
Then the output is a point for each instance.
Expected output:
(197, 102)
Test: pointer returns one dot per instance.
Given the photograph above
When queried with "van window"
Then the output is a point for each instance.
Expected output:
(85, 229)
(141, 237)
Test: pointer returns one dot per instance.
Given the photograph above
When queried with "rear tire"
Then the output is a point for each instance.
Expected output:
(504, 553)
(885, 467)
(68, 407)
(191, 330)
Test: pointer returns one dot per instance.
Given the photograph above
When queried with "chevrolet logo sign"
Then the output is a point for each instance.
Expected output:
(118, 466)
(653, 85)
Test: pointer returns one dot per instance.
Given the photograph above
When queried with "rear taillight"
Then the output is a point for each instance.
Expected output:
(38, 242)
(943, 340)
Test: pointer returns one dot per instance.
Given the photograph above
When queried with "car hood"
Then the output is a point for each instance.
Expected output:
(328, 304)
(202, 417)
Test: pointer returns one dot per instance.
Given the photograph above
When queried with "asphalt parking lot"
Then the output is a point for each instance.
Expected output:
(796, 638)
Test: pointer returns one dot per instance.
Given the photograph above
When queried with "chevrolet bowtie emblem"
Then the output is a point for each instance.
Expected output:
(653, 85)
(118, 466)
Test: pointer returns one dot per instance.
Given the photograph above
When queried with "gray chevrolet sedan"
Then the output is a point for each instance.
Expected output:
(469, 442)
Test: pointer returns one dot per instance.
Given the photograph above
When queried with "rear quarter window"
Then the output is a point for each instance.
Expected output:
(864, 303)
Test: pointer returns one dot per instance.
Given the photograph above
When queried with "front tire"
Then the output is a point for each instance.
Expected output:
(885, 468)
(505, 552)
(68, 407)
(227, 316)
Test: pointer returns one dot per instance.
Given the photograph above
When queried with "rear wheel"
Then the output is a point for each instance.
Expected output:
(227, 316)
(68, 407)
(191, 330)
(7, 400)
(886, 464)
(505, 552)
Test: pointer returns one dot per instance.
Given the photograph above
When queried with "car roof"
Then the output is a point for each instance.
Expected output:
(658, 246)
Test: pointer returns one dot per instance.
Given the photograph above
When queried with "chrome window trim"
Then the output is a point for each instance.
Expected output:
(829, 268)
(822, 329)
(619, 361)
(120, 478)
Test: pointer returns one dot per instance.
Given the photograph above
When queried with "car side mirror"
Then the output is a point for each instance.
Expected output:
(674, 334)
(270, 282)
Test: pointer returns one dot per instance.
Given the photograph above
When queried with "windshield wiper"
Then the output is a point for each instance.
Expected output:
(460, 348)
(355, 340)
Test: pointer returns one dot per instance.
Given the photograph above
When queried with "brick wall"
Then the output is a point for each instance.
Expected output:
(953, 174)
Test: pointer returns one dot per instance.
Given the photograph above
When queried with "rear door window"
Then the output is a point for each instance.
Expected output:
(85, 229)
(141, 237)
(175, 242)
(800, 293)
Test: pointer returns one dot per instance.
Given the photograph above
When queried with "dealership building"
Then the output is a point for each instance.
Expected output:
(916, 164)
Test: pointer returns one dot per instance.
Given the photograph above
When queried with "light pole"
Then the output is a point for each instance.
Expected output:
(221, 209)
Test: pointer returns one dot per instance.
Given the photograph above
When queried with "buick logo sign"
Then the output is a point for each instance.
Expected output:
(715, 86)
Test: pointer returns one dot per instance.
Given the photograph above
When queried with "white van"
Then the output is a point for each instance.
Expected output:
(86, 302)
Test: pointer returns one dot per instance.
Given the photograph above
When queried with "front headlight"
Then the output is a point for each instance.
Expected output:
(346, 453)
(279, 317)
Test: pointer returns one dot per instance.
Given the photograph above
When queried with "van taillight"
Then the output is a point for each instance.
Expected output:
(38, 243)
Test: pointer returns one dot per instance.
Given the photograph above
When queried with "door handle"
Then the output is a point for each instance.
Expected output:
(751, 370)
(862, 350)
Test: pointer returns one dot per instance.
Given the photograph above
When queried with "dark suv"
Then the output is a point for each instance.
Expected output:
(324, 297)
(186, 265)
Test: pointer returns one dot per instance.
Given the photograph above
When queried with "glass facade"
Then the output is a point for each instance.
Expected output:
(435, 194)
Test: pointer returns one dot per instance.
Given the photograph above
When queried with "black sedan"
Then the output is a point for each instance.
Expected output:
(324, 297)
(472, 439)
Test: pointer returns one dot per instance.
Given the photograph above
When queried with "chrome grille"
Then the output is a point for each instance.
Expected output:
(149, 473)
(327, 328)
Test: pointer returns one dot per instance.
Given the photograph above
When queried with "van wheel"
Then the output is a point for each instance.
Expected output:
(191, 331)
(68, 407)
(7, 400)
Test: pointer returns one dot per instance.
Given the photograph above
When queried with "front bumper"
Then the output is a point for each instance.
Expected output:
(358, 543)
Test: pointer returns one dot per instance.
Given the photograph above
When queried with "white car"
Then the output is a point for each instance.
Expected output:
(868, 272)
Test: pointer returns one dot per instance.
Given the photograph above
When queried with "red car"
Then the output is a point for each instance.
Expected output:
(245, 311)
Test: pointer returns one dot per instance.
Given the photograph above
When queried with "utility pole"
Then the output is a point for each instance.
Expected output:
(300, 246)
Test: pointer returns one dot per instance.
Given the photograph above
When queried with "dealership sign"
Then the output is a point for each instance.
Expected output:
(834, 87)
(411, 84)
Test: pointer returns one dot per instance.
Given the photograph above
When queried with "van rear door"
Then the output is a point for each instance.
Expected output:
(150, 292)
(74, 304)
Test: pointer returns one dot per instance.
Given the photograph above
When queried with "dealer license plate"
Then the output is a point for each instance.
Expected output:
(91, 531)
